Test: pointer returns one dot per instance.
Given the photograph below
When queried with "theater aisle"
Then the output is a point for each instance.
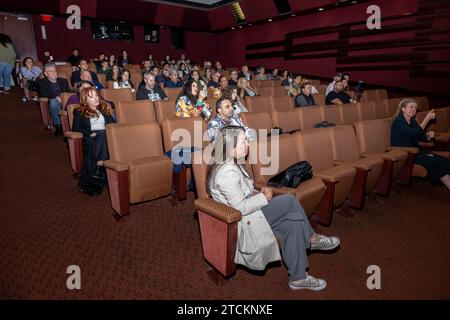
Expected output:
(46, 225)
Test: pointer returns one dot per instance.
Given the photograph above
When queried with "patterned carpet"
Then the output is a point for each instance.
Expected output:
(155, 253)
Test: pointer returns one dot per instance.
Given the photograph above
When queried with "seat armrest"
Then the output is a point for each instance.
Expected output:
(326, 177)
(43, 99)
(381, 155)
(406, 149)
(356, 165)
(115, 165)
(73, 135)
(62, 113)
(276, 191)
(218, 210)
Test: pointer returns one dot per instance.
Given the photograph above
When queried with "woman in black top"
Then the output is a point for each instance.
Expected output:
(124, 59)
(90, 118)
(406, 132)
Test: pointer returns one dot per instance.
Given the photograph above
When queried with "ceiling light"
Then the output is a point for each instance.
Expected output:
(293, 15)
(232, 28)
(321, 9)
(270, 20)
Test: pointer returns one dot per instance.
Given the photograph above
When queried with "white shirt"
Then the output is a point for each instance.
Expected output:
(330, 88)
(98, 123)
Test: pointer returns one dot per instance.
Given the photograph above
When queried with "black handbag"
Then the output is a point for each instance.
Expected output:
(324, 124)
(292, 176)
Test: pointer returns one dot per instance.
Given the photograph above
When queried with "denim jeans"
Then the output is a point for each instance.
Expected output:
(5, 75)
(54, 106)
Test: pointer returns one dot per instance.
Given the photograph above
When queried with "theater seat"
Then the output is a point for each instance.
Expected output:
(368, 170)
(286, 120)
(279, 91)
(172, 93)
(331, 114)
(319, 99)
(74, 142)
(373, 139)
(165, 109)
(116, 95)
(381, 109)
(315, 147)
(366, 110)
(257, 120)
(309, 193)
(218, 228)
(141, 111)
(137, 169)
(284, 103)
(258, 104)
(265, 91)
(348, 113)
(309, 116)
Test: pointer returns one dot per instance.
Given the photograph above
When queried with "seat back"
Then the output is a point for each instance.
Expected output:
(165, 109)
(348, 113)
(195, 127)
(392, 106)
(369, 95)
(382, 94)
(381, 108)
(258, 104)
(136, 77)
(279, 91)
(366, 110)
(92, 67)
(344, 143)
(172, 93)
(322, 88)
(331, 114)
(265, 83)
(319, 99)
(141, 111)
(102, 79)
(265, 91)
(116, 95)
(70, 109)
(315, 147)
(64, 97)
(127, 142)
(371, 135)
(257, 120)
(286, 120)
(309, 116)
(64, 68)
(283, 103)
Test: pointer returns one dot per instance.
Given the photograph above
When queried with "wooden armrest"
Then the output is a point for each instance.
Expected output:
(406, 149)
(73, 135)
(218, 210)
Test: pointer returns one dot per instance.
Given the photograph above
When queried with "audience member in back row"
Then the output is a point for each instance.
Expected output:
(104, 68)
(245, 89)
(231, 94)
(260, 75)
(75, 98)
(195, 75)
(305, 98)
(150, 90)
(85, 75)
(51, 87)
(173, 81)
(265, 218)
(337, 96)
(226, 117)
(286, 79)
(294, 87)
(98, 62)
(83, 65)
(30, 75)
(74, 58)
(245, 73)
(233, 78)
(190, 102)
(124, 82)
(406, 132)
(90, 118)
(114, 75)
(124, 59)
(223, 83)
(214, 82)
(330, 86)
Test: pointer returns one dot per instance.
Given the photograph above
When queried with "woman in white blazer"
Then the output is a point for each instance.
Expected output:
(264, 218)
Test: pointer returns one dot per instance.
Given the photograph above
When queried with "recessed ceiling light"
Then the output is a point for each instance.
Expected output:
(354, 2)
(293, 15)
(270, 20)
(249, 24)
(240, 27)
(321, 9)
(232, 28)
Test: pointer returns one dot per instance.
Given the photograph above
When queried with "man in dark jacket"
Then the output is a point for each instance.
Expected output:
(51, 87)
(83, 65)
(150, 90)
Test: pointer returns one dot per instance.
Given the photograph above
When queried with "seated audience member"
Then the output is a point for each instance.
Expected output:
(313, 88)
(207, 75)
(226, 117)
(112, 60)
(114, 75)
(124, 82)
(207, 65)
(74, 58)
(244, 89)
(245, 73)
(195, 75)
(330, 87)
(218, 67)
(182, 72)
(147, 67)
(286, 79)
(260, 73)
(98, 61)
(273, 75)
(30, 75)
(406, 132)
(159, 78)
(8, 58)
(85, 75)
(166, 60)
(294, 87)
(152, 61)
(83, 65)
(104, 68)
(337, 96)
(282, 216)
(190, 102)
(188, 66)
(231, 94)
(233, 78)
(214, 82)
(182, 59)
(173, 65)
(90, 118)
(173, 81)
(124, 59)
(223, 83)
(305, 98)
(150, 90)
(345, 86)
(51, 87)
(75, 98)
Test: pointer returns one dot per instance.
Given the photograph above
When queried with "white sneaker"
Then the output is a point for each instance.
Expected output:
(310, 283)
(325, 243)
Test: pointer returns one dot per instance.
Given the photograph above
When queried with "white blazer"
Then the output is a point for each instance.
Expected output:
(257, 245)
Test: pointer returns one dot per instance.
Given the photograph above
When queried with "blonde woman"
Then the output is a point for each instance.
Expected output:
(244, 89)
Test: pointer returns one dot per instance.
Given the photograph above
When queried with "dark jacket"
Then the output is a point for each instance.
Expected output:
(404, 134)
(120, 61)
(74, 60)
(144, 94)
(171, 84)
(47, 89)
(76, 77)
(302, 100)
(345, 98)
(83, 125)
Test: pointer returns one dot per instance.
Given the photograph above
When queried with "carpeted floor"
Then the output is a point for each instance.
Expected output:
(155, 253)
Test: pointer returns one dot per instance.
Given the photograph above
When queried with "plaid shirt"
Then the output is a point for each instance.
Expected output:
(217, 123)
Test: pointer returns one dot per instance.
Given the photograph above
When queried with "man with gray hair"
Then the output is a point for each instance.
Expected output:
(51, 87)
(150, 90)
(173, 81)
